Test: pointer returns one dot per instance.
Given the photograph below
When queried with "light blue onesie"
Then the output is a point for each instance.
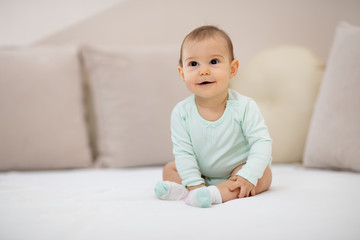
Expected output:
(214, 149)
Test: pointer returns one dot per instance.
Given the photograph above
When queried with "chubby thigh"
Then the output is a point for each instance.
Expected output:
(263, 185)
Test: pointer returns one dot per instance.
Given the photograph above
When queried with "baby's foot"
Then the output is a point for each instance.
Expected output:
(204, 197)
(170, 191)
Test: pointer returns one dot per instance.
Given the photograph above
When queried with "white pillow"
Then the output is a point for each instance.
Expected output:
(284, 81)
(134, 91)
(42, 121)
(334, 136)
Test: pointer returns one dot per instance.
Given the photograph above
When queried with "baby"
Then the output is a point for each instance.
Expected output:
(221, 144)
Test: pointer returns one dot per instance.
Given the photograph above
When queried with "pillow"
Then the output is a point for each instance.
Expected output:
(333, 140)
(134, 91)
(42, 118)
(284, 81)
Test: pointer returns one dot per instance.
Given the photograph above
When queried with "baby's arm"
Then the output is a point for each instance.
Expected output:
(185, 159)
(257, 134)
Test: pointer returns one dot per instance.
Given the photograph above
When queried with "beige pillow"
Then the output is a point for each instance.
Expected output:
(42, 122)
(334, 136)
(284, 82)
(134, 91)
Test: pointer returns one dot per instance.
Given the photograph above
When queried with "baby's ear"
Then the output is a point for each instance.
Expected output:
(234, 67)
(181, 72)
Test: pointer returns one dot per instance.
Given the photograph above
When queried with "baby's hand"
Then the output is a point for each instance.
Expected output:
(246, 188)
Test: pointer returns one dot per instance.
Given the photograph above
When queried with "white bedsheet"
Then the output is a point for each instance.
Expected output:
(120, 204)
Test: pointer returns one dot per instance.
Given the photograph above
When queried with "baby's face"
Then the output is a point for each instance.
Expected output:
(207, 67)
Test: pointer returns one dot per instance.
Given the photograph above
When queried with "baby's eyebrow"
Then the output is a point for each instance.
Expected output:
(189, 58)
(217, 55)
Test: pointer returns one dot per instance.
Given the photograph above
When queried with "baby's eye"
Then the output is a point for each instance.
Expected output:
(214, 61)
(193, 64)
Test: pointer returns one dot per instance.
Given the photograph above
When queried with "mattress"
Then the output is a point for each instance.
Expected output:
(120, 204)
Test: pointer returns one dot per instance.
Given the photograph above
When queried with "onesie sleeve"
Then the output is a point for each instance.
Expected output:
(257, 134)
(185, 159)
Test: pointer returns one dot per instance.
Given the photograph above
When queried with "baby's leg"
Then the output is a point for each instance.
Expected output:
(170, 188)
(263, 185)
(170, 173)
(200, 196)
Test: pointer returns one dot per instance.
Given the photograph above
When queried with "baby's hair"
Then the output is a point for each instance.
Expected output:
(205, 32)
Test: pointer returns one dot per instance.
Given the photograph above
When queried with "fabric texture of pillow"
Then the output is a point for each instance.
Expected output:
(284, 81)
(42, 120)
(134, 91)
(334, 136)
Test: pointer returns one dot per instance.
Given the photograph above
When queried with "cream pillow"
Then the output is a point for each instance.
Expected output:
(42, 122)
(284, 82)
(134, 91)
(334, 136)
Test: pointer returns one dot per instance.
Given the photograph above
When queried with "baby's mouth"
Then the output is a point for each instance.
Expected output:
(205, 83)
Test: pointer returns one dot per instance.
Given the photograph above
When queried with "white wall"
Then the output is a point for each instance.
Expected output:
(253, 25)
(23, 22)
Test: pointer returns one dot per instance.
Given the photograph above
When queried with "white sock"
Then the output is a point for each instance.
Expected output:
(204, 197)
(166, 190)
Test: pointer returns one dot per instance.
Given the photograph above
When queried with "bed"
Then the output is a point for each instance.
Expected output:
(120, 204)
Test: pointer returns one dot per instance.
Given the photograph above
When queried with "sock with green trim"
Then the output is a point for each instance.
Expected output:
(204, 197)
(166, 190)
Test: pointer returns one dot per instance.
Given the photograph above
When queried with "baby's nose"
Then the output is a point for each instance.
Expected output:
(204, 71)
